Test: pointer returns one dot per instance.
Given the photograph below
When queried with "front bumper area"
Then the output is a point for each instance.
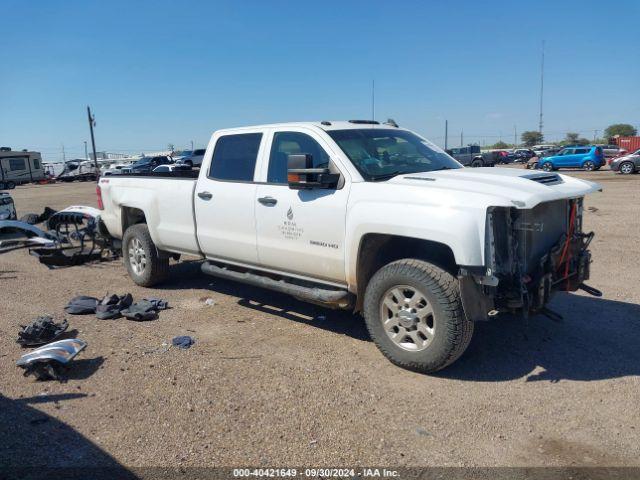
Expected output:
(530, 255)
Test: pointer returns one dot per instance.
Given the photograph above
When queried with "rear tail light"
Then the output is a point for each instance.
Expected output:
(99, 195)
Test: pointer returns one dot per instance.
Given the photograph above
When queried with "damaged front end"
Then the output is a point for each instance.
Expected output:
(529, 255)
(74, 236)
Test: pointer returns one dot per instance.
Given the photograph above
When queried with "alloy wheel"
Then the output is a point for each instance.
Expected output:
(137, 256)
(407, 318)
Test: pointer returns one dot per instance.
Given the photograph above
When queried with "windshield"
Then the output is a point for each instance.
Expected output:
(380, 154)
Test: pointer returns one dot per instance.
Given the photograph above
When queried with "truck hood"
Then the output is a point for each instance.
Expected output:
(507, 186)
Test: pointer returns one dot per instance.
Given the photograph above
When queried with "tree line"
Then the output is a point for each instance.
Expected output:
(533, 137)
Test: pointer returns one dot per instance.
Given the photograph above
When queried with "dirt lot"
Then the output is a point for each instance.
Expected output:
(275, 382)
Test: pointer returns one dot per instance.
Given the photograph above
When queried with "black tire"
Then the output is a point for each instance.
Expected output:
(628, 169)
(189, 162)
(588, 166)
(10, 185)
(547, 167)
(477, 163)
(451, 330)
(156, 268)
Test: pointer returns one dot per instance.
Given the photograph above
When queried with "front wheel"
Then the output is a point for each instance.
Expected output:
(477, 163)
(413, 312)
(11, 185)
(627, 168)
(145, 265)
(547, 166)
(589, 166)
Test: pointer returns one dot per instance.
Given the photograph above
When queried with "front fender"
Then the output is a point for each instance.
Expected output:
(461, 230)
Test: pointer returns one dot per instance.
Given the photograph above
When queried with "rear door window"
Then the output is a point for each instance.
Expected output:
(234, 157)
(199, 152)
(582, 151)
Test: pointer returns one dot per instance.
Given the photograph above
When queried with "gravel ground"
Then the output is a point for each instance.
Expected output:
(275, 382)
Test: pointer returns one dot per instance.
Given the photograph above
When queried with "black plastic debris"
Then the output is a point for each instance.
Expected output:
(41, 331)
(158, 303)
(183, 342)
(111, 306)
(82, 305)
(141, 311)
(34, 218)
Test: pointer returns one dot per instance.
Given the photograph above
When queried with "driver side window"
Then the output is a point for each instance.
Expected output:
(288, 143)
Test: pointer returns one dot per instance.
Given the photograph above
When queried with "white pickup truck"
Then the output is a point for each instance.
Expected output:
(364, 216)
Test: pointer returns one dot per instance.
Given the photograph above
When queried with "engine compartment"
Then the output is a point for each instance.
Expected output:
(535, 252)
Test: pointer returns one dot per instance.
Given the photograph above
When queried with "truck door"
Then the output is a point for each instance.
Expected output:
(300, 231)
(225, 199)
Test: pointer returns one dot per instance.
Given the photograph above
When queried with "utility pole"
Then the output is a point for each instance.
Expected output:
(64, 157)
(595, 135)
(86, 155)
(541, 87)
(461, 138)
(373, 99)
(446, 134)
(515, 136)
(92, 123)
(192, 145)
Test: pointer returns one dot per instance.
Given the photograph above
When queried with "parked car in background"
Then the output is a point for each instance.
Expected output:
(541, 149)
(522, 155)
(626, 164)
(549, 152)
(116, 170)
(147, 164)
(7, 207)
(471, 156)
(192, 158)
(588, 158)
(610, 151)
(171, 168)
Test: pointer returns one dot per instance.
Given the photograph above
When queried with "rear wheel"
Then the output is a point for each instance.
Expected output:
(547, 166)
(10, 185)
(414, 314)
(589, 166)
(144, 263)
(627, 168)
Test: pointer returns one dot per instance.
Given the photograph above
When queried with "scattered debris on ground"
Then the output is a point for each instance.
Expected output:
(111, 306)
(82, 305)
(42, 330)
(48, 362)
(74, 236)
(183, 342)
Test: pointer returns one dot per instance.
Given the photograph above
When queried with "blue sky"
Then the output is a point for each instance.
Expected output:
(159, 72)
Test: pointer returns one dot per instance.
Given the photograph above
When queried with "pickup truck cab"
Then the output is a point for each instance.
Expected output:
(363, 216)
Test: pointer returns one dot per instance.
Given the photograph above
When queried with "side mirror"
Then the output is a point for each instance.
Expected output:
(302, 176)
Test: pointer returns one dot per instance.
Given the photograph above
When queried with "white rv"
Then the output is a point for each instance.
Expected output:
(18, 167)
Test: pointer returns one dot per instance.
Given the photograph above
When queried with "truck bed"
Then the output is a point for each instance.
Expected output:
(165, 200)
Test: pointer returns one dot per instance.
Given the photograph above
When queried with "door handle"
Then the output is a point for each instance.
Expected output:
(205, 195)
(268, 201)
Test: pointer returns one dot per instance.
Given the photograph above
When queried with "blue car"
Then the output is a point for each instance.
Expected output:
(587, 157)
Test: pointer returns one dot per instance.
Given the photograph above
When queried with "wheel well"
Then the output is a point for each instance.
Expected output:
(131, 216)
(377, 250)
